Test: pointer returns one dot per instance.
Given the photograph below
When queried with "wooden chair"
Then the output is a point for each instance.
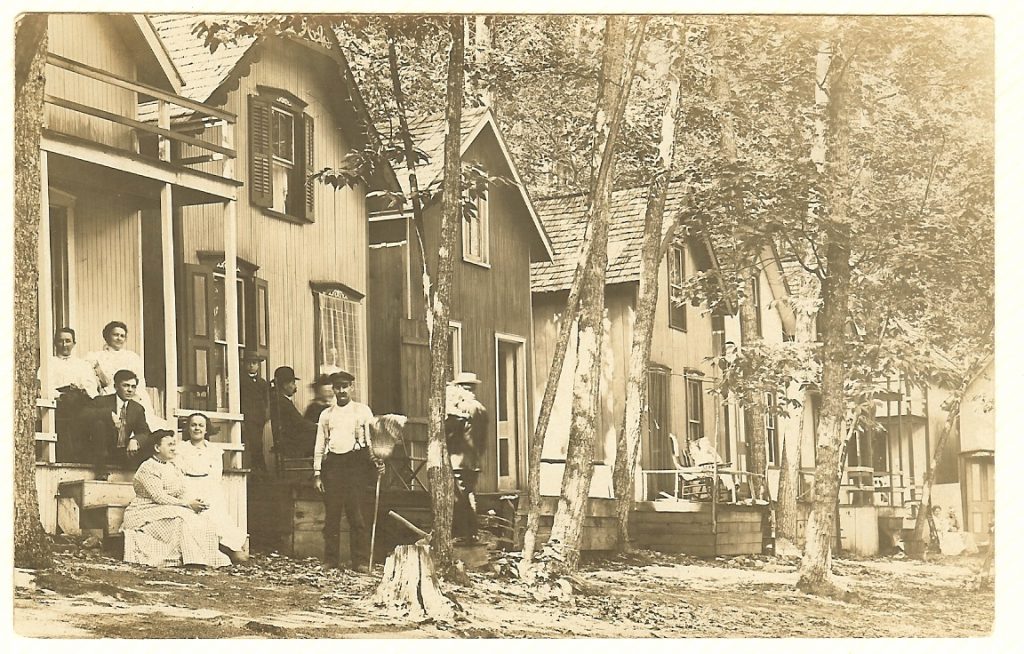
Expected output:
(704, 455)
(692, 482)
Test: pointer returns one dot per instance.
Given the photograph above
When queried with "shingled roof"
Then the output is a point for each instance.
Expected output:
(428, 132)
(565, 219)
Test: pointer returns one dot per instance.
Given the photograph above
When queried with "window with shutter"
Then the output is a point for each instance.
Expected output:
(261, 188)
(676, 276)
(281, 155)
(198, 352)
(475, 240)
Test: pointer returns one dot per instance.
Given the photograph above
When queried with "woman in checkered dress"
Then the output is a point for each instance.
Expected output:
(162, 526)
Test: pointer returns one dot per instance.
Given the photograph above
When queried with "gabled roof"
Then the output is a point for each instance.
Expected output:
(428, 134)
(565, 218)
(156, 45)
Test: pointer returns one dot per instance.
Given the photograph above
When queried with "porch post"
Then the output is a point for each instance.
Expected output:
(45, 301)
(231, 303)
(167, 259)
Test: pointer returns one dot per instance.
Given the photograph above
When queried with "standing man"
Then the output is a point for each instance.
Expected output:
(294, 436)
(465, 429)
(120, 433)
(255, 396)
(339, 471)
(72, 383)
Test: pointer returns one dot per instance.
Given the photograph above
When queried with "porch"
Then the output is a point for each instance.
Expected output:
(116, 178)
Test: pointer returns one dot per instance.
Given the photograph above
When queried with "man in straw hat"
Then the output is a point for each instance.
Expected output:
(465, 429)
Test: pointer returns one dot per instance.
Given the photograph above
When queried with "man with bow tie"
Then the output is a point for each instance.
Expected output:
(120, 434)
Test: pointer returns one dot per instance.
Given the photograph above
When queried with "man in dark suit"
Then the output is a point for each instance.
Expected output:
(255, 395)
(120, 433)
(294, 436)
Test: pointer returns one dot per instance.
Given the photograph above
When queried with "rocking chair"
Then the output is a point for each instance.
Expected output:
(692, 482)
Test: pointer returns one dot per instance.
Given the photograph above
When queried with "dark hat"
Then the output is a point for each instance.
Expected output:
(284, 374)
(342, 376)
(321, 380)
(249, 355)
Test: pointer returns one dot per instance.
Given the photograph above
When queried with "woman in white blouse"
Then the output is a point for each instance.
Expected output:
(113, 357)
(202, 463)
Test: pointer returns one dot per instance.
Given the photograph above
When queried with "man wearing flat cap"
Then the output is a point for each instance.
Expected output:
(339, 470)
(255, 400)
(293, 435)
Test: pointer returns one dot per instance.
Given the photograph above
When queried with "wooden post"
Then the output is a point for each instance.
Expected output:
(231, 302)
(45, 301)
(167, 260)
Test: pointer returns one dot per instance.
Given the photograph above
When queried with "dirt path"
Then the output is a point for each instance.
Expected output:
(88, 595)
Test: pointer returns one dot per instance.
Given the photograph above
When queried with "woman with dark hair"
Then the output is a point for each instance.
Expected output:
(202, 463)
(163, 526)
(115, 356)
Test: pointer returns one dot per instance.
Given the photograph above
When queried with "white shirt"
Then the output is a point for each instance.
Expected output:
(339, 428)
(71, 371)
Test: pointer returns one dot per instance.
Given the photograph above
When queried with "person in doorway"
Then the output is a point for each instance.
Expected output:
(323, 397)
(120, 432)
(339, 471)
(255, 403)
(72, 382)
(294, 436)
(465, 429)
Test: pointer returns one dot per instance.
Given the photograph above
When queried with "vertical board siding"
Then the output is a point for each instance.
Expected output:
(91, 39)
(289, 255)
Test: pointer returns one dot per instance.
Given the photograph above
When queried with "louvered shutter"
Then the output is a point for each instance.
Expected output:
(309, 169)
(261, 184)
(198, 356)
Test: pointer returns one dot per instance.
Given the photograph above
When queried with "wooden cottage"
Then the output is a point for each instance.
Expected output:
(491, 329)
(115, 189)
(286, 274)
(679, 375)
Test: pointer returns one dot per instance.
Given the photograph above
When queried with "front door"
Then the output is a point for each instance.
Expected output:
(510, 388)
(980, 495)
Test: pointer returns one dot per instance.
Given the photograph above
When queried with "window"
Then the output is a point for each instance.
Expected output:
(475, 228)
(756, 303)
(694, 408)
(60, 265)
(454, 363)
(676, 276)
(205, 354)
(280, 155)
(339, 335)
(717, 335)
(771, 431)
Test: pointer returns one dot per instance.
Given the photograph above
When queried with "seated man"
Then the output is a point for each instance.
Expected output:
(294, 436)
(120, 433)
(72, 382)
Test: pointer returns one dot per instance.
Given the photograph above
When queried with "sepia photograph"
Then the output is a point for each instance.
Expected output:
(503, 326)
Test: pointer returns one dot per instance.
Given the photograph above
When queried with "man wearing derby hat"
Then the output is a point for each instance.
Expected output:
(255, 401)
(293, 435)
(339, 470)
(465, 428)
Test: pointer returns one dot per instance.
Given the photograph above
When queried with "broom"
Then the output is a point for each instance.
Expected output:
(385, 434)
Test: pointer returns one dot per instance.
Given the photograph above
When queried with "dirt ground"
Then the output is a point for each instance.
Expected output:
(90, 595)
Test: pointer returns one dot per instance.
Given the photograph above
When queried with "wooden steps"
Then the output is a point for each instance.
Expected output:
(87, 507)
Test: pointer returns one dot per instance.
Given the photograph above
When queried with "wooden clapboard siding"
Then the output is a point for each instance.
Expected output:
(91, 39)
(291, 255)
(690, 529)
(488, 300)
(108, 282)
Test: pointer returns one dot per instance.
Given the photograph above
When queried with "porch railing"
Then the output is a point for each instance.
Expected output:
(157, 125)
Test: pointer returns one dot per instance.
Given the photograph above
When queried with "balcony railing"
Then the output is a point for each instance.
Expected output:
(154, 135)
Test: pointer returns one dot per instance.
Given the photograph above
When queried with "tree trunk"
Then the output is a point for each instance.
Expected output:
(627, 439)
(617, 74)
(568, 323)
(439, 470)
(816, 566)
(31, 545)
(950, 427)
(410, 586)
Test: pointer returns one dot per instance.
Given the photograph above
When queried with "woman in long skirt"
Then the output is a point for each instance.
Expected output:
(202, 462)
(163, 526)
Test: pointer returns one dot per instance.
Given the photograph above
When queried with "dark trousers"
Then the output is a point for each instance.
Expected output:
(252, 436)
(106, 453)
(344, 478)
(464, 523)
(72, 434)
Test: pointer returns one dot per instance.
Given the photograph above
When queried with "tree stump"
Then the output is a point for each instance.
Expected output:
(410, 586)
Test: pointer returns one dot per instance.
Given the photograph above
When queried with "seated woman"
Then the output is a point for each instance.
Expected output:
(202, 463)
(115, 356)
(162, 525)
